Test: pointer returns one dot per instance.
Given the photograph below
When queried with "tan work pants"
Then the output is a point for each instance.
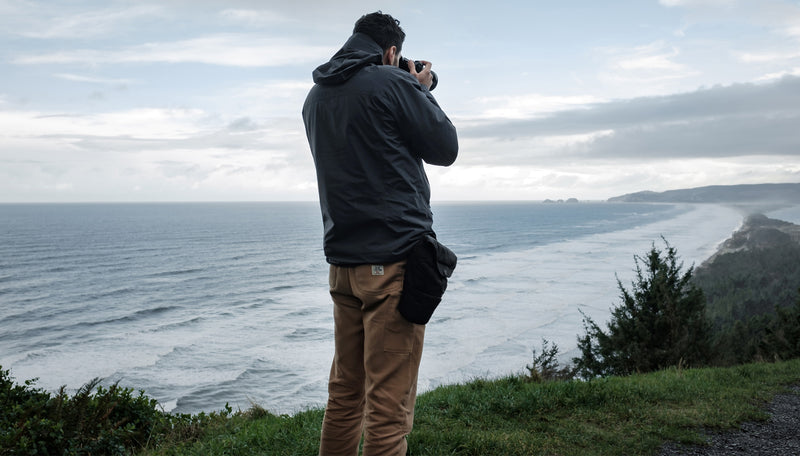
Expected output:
(373, 380)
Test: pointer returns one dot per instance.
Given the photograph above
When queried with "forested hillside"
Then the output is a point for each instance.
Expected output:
(754, 273)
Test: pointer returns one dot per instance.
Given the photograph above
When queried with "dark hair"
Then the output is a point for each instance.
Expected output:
(382, 28)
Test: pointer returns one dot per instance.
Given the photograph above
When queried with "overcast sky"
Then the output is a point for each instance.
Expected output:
(200, 100)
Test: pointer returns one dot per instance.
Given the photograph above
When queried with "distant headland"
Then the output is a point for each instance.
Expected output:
(756, 194)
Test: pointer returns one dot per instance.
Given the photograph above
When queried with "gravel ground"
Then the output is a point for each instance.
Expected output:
(779, 436)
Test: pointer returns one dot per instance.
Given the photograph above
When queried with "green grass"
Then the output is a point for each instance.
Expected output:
(631, 415)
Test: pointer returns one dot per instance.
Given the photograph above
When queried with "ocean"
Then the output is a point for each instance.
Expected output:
(203, 304)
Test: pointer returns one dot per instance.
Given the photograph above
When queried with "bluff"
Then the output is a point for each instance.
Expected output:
(758, 233)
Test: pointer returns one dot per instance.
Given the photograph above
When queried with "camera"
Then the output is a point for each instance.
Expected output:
(419, 66)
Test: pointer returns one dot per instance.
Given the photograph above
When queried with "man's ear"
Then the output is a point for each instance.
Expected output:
(390, 56)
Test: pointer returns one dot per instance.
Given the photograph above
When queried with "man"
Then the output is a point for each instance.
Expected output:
(370, 125)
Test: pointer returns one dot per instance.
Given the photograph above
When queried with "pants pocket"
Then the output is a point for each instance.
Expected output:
(333, 272)
(399, 336)
(378, 280)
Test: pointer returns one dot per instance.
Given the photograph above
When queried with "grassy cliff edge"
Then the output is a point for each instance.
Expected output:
(631, 415)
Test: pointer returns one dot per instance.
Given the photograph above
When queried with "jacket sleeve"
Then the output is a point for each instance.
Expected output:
(426, 128)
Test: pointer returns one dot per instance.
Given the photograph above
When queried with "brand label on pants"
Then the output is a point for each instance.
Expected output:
(377, 270)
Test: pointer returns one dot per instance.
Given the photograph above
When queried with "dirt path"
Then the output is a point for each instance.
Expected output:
(778, 436)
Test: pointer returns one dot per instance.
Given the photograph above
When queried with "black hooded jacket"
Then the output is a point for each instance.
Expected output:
(370, 127)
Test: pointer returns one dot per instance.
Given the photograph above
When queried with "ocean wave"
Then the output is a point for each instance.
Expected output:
(474, 280)
(177, 325)
(176, 272)
(257, 302)
(261, 375)
(301, 313)
(109, 293)
(19, 317)
(63, 268)
(281, 288)
(40, 352)
(132, 317)
(55, 316)
(308, 334)
(177, 351)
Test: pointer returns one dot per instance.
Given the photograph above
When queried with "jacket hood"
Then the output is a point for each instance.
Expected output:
(359, 51)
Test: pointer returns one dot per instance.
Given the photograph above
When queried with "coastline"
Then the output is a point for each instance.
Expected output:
(508, 302)
(499, 307)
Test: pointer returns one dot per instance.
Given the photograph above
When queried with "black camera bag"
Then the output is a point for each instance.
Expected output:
(428, 266)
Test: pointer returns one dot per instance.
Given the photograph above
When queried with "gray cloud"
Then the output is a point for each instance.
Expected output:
(190, 171)
(243, 124)
(736, 120)
(711, 138)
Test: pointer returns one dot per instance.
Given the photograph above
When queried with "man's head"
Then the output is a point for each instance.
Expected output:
(386, 31)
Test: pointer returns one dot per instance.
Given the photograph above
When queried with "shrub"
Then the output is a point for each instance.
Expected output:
(545, 365)
(660, 323)
(107, 421)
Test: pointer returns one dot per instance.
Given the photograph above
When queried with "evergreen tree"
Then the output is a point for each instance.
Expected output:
(782, 339)
(660, 323)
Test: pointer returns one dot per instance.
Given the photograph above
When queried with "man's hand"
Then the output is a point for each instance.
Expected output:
(424, 77)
